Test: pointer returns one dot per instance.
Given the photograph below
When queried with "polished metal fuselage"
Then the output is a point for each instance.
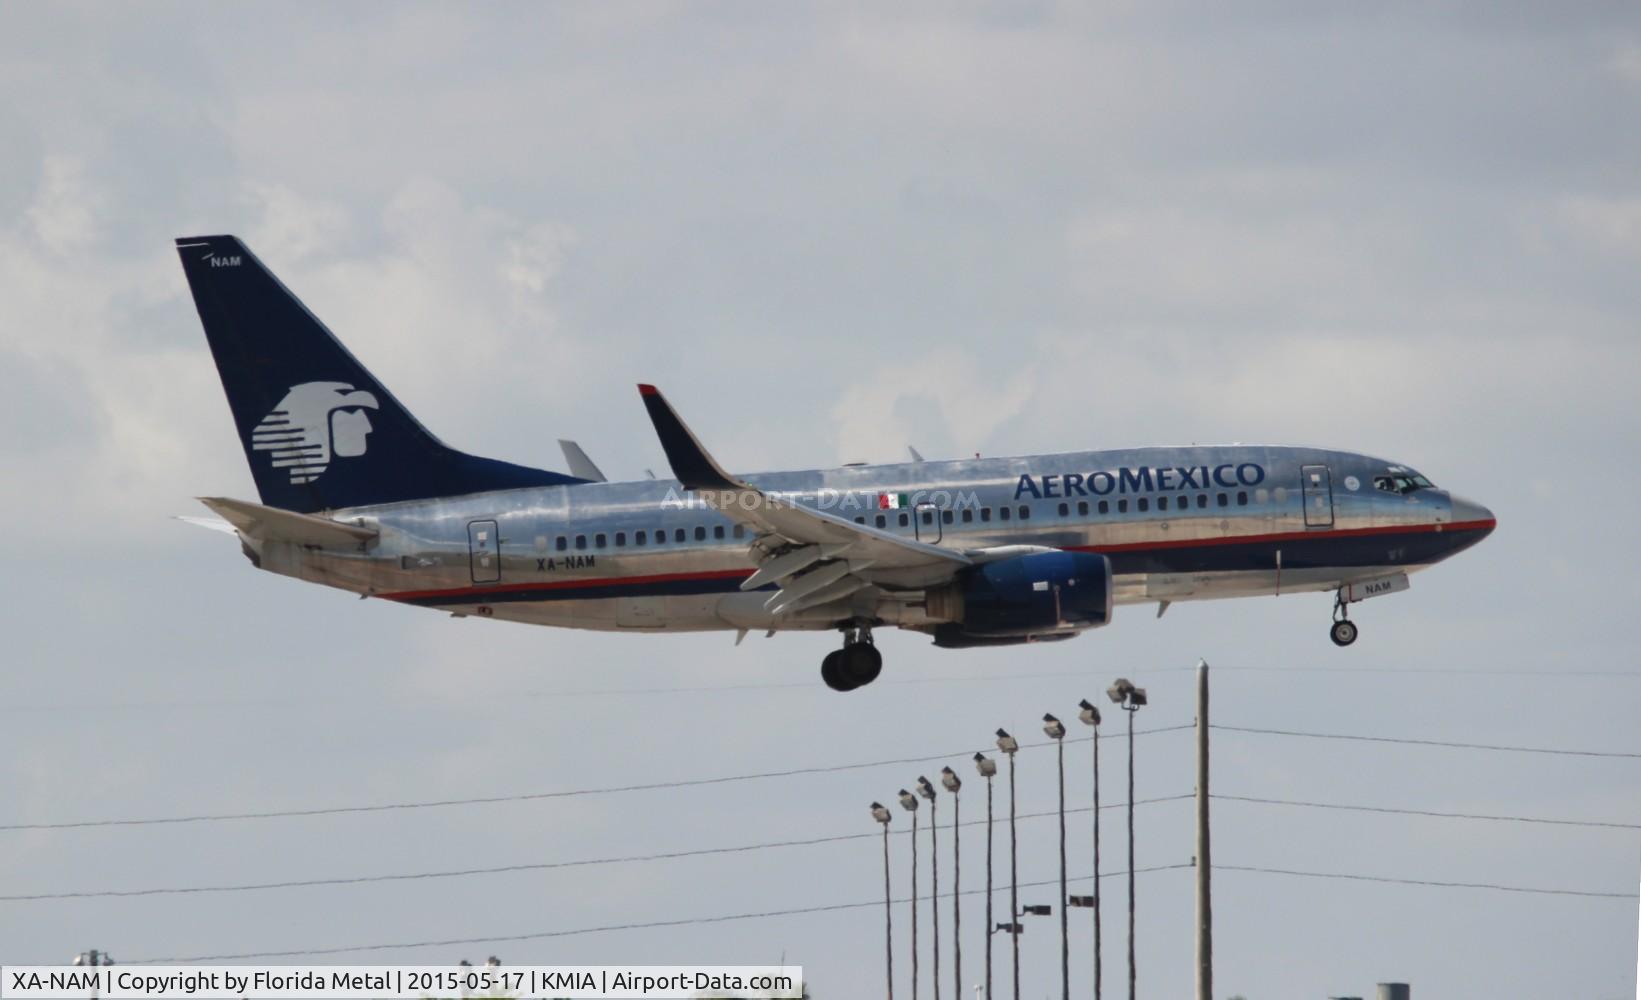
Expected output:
(1235, 525)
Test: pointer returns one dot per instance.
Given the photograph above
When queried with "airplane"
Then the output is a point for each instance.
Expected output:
(358, 495)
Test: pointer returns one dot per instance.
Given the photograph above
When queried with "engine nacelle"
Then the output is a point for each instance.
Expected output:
(1028, 595)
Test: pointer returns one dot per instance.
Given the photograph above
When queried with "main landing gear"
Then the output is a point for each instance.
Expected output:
(857, 664)
(1344, 631)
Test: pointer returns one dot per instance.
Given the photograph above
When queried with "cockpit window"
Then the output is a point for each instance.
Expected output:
(1401, 481)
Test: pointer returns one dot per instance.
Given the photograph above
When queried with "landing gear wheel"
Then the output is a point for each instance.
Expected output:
(832, 672)
(1343, 632)
(861, 663)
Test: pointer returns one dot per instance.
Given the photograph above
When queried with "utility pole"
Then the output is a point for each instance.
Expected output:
(1010, 746)
(953, 783)
(988, 770)
(1057, 731)
(1205, 907)
(1090, 716)
(909, 802)
(93, 958)
(1131, 699)
(882, 816)
(925, 789)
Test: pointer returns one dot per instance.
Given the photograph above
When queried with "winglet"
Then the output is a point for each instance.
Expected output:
(695, 469)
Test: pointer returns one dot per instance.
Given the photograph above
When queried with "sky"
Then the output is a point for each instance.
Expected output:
(828, 231)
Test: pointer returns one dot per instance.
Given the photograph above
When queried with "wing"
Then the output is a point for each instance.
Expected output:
(814, 556)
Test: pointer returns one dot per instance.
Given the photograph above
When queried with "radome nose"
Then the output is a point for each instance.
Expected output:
(1470, 514)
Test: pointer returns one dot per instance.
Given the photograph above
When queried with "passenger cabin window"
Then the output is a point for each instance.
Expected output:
(661, 536)
(928, 517)
(1025, 512)
(1065, 510)
(1122, 506)
(1002, 513)
(1162, 503)
(620, 539)
(700, 533)
(1202, 501)
(945, 517)
(1242, 498)
(1144, 504)
(985, 515)
(881, 521)
(561, 543)
(905, 519)
(1224, 501)
(679, 535)
(717, 531)
(1105, 506)
(740, 531)
(968, 516)
(1082, 508)
(638, 538)
(581, 541)
(598, 540)
(860, 520)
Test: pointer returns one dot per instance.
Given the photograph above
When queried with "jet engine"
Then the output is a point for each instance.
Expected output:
(1037, 596)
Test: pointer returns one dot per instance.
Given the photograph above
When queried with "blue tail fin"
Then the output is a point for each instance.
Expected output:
(318, 429)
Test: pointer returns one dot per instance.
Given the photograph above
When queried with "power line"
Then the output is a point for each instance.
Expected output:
(1429, 812)
(528, 796)
(836, 907)
(504, 869)
(1427, 743)
(648, 925)
(1427, 882)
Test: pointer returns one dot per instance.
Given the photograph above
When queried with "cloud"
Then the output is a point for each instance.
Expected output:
(66, 207)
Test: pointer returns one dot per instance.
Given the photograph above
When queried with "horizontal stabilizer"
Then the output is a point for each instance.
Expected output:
(581, 466)
(211, 523)
(272, 524)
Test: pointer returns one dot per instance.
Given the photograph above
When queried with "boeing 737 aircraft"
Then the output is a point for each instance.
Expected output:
(356, 494)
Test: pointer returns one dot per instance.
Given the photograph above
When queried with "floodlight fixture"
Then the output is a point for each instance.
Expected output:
(949, 778)
(1053, 727)
(1089, 715)
(1007, 743)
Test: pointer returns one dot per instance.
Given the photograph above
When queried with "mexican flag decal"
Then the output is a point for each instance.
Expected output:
(893, 501)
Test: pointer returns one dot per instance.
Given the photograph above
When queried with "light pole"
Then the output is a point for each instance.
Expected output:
(952, 782)
(1090, 716)
(1131, 699)
(927, 791)
(908, 801)
(1056, 731)
(883, 816)
(93, 958)
(988, 770)
(1010, 746)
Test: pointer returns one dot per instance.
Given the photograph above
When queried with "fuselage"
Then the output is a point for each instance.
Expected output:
(1176, 523)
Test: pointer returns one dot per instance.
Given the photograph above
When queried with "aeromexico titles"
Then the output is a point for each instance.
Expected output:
(356, 494)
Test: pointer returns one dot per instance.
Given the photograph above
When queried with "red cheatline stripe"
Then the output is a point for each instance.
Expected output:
(721, 574)
(741, 574)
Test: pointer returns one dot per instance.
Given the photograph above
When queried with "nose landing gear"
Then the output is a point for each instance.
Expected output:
(855, 665)
(1344, 631)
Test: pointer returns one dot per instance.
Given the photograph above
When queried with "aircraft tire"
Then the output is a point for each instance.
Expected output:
(861, 663)
(833, 672)
(1343, 633)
